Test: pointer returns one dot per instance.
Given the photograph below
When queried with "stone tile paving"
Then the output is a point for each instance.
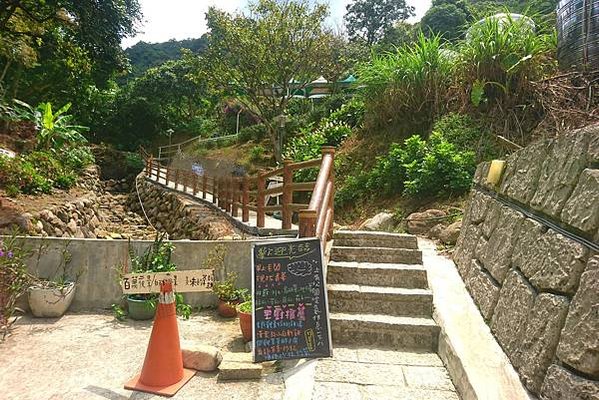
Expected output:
(359, 373)
(90, 356)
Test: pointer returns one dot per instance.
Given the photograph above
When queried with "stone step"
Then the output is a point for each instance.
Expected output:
(376, 254)
(375, 239)
(377, 274)
(398, 333)
(380, 300)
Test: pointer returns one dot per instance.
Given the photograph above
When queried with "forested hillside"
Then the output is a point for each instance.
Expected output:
(144, 56)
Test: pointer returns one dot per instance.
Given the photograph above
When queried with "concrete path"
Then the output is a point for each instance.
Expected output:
(361, 373)
(91, 356)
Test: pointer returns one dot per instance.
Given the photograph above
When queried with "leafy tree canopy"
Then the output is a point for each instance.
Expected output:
(368, 20)
(144, 55)
(58, 40)
(273, 44)
(448, 18)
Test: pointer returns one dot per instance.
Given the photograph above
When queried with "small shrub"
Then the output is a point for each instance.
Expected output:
(254, 132)
(350, 113)
(257, 152)
(65, 181)
(466, 134)
(12, 190)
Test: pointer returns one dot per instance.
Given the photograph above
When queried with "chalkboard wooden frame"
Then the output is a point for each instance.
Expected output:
(321, 270)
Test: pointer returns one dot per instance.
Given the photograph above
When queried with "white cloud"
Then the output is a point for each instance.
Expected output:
(176, 19)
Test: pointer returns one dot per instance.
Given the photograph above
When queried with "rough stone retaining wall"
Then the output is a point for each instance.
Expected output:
(80, 218)
(178, 215)
(537, 287)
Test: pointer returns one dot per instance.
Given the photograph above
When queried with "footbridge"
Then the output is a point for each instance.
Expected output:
(302, 208)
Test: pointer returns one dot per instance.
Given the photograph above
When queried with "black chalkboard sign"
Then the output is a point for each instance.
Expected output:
(290, 315)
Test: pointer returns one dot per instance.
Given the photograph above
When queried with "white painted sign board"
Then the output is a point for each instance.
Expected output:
(199, 280)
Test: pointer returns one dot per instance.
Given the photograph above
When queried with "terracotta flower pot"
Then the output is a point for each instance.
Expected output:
(245, 322)
(227, 309)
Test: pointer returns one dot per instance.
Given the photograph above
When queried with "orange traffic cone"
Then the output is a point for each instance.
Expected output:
(163, 371)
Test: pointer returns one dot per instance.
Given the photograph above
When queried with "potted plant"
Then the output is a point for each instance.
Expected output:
(229, 296)
(52, 297)
(157, 258)
(245, 319)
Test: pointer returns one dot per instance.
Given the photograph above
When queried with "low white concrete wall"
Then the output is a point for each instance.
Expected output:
(98, 285)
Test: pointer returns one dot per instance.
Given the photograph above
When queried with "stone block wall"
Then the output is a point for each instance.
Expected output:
(178, 215)
(528, 256)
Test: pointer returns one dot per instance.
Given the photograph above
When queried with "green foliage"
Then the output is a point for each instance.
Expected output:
(416, 168)
(20, 174)
(446, 18)
(435, 167)
(257, 152)
(226, 290)
(14, 277)
(466, 134)
(245, 307)
(144, 56)
(408, 87)
(501, 57)
(368, 20)
(272, 44)
(255, 132)
(350, 114)
(55, 130)
(53, 50)
(156, 258)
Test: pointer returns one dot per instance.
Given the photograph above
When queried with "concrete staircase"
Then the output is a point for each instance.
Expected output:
(378, 292)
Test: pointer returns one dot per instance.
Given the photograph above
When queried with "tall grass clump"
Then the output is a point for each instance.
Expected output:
(407, 89)
(500, 57)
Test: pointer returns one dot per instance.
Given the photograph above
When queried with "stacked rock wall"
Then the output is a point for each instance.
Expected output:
(178, 215)
(528, 256)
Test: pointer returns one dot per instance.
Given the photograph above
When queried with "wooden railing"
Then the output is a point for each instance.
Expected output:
(240, 196)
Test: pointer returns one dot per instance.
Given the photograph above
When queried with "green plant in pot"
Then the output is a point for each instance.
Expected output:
(156, 258)
(245, 319)
(52, 296)
(229, 295)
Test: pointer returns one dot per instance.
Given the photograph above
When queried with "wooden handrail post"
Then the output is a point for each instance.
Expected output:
(176, 178)
(287, 196)
(167, 175)
(307, 223)
(236, 193)
(218, 182)
(195, 183)
(245, 199)
(260, 201)
(214, 189)
(228, 190)
(148, 166)
(204, 184)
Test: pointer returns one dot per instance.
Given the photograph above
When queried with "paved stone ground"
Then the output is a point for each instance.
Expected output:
(90, 356)
(360, 373)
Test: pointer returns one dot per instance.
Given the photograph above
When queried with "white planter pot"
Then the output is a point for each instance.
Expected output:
(50, 302)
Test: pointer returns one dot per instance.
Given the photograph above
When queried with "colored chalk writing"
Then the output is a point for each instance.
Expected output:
(290, 302)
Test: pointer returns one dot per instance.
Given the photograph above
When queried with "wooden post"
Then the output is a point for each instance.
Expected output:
(307, 223)
(204, 183)
(167, 175)
(148, 166)
(214, 189)
(260, 201)
(287, 194)
(176, 178)
(195, 183)
(227, 194)
(245, 199)
(328, 232)
(218, 182)
(236, 194)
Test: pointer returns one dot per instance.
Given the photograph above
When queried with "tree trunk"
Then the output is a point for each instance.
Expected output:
(274, 140)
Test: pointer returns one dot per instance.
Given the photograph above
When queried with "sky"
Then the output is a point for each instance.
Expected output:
(184, 19)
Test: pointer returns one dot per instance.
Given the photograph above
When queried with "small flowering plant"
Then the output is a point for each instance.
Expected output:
(14, 278)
